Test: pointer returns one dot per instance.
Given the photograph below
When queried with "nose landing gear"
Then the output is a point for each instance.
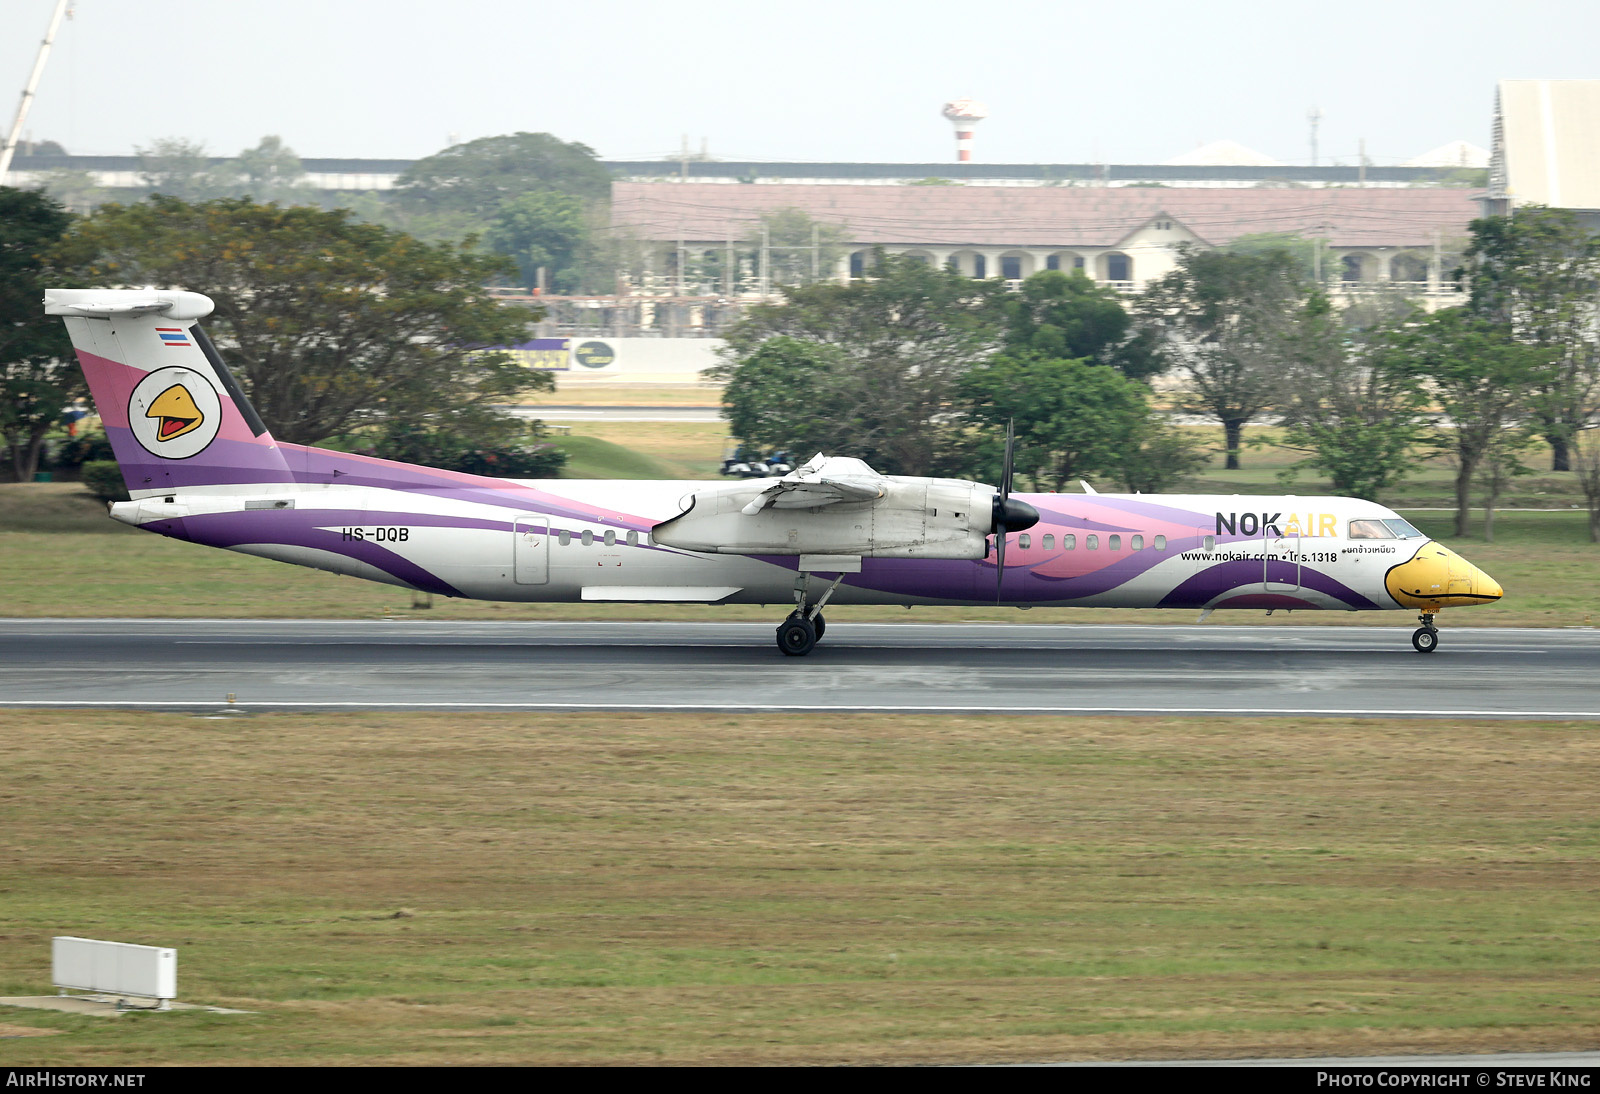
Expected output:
(804, 627)
(1425, 639)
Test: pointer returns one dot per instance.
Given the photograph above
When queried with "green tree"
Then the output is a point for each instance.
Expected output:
(801, 397)
(1482, 380)
(477, 178)
(181, 168)
(1357, 409)
(544, 229)
(1310, 255)
(1224, 320)
(39, 376)
(1073, 419)
(800, 249)
(1586, 462)
(1158, 456)
(1537, 274)
(893, 348)
(331, 324)
(270, 172)
(1064, 315)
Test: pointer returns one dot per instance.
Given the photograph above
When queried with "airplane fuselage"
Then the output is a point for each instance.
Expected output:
(590, 540)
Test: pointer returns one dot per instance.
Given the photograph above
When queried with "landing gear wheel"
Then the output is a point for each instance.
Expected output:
(796, 636)
(1425, 639)
(820, 626)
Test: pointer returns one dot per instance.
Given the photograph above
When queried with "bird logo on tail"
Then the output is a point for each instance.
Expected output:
(175, 413)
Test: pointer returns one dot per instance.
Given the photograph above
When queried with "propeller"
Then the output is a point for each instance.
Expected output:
(1008, 515)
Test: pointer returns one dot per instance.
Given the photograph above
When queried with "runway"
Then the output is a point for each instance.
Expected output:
(870, 667)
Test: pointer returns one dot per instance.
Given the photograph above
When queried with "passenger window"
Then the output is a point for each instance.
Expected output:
(1091, 543)
(1115, 543)
(1069, 543)
(1211, 543)
(565, 537)
(633, 539)
(611, 538)
(588, 538)
(1024, 541)
(1049, 543)
(1137, 543)
(1369, 529)
(1161, 543)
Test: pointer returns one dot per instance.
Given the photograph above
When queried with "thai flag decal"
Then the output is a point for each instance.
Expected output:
(174, 336)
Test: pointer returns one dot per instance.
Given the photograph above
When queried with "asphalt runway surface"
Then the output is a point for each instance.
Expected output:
(870, 667)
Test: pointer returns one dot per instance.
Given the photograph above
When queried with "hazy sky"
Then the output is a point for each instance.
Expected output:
(1065, 81)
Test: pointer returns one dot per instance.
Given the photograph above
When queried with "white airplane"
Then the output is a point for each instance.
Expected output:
(201, 466)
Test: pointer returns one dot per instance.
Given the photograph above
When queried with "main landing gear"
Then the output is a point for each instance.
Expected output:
(1425, 639)
(804, 628)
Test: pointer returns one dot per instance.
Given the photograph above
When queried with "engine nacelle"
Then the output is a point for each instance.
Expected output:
(912, 518)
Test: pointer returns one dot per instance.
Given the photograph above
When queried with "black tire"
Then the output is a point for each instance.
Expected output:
(796, 636)
(1425, 640)
(819, 625)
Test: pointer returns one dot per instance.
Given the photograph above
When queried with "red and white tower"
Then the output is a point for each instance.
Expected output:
(965, 114)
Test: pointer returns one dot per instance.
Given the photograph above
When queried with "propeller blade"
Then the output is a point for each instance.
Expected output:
(1008, 515)
(1011, 451)
(999, 564)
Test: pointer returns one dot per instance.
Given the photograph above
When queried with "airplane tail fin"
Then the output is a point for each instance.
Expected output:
(175, 415)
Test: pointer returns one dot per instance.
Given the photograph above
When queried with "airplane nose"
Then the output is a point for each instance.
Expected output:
(1437, 577)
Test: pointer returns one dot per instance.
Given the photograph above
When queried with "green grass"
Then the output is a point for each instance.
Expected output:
(592, 458)
(738, 889)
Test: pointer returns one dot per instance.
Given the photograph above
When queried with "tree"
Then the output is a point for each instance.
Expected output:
(39, 376)
(1586, 461)
(1158, 455)
(1357, 409)
(799, 249)
(1310, 255)
(331, 324)
(269, 172)
(1538, 275)
(1063, 315)
(545, 229)
(800, 397)
(1480, 378)
(181, 168)
(478, 178)
(1224, 320)
(882, 362)
(1073, 419)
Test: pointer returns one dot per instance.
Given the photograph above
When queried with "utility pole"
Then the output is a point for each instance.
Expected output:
(27, 92)
(816, 248)
(766, 261)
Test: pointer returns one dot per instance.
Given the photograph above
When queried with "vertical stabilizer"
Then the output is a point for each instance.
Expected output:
(175, 415)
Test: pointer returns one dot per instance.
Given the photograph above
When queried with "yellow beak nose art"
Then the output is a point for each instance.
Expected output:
(176, 413)
(1437, 577)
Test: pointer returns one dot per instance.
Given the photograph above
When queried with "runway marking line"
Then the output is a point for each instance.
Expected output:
(797, 708)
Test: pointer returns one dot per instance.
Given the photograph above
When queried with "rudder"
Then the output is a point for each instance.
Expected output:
(174, 414)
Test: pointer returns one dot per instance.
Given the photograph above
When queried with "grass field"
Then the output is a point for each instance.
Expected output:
(76, 562)
(422, 889)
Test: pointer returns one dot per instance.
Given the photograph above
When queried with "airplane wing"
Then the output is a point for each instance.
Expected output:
(821, 481)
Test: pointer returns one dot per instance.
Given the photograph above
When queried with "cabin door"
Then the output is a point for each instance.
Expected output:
(532, 559)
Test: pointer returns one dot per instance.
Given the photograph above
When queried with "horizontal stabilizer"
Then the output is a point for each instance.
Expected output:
(105, 303)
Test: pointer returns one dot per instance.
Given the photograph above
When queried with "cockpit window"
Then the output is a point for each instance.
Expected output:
(1370, 529)
(1402, 528)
